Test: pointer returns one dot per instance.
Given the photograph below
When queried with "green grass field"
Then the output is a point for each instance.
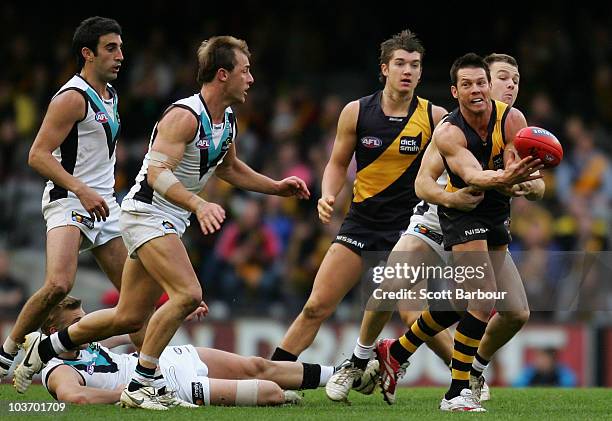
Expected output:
(412, 404)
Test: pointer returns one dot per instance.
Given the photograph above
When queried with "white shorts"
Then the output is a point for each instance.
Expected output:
(433, 238)
(141, 222)
(186, 373)
(70, 211)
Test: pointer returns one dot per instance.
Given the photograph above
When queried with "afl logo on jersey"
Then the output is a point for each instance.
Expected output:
(203, 143)
(101, 117)
(371, 142)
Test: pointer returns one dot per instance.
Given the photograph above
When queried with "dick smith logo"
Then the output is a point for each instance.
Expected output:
(410, 145)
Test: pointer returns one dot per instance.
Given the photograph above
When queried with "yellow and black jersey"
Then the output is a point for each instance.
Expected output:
(489, 153)
(388, 154)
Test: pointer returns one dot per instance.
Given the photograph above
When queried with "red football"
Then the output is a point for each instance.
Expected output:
(539, 143)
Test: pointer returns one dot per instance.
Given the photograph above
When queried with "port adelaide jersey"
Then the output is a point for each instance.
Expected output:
(388, 153)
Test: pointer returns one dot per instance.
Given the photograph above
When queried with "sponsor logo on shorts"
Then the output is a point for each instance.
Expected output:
(91, 368)
(427, 232)
(475, 231)
(345, 239)
(178, 350)
(197, 393)
(371, 142)
(101, 117)
(168, 226)
(82, 219)
(410, 145)
(507, 224)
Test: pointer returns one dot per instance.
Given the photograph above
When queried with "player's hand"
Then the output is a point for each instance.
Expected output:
(293, 186)
(210, 216)
(93, 203)
(517, 172)
(325, 206)
(199, 313)
(466, 199)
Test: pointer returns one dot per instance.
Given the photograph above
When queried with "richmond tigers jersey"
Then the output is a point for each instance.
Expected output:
(88, 152)
(202, 155)
(489, 153)
(388, 153)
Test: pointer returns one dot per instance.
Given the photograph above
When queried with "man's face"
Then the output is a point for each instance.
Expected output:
(403, 71)
(473, 90)
(70, 317)
(109, 56)
(505, 80)
(239, 80)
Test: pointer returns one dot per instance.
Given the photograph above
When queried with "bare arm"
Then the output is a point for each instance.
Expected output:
(68, 386)
(428, 189)
(114, 341)
(63, 113)
(174, 131)
(236, 172)
(453, 147)
(334, 175)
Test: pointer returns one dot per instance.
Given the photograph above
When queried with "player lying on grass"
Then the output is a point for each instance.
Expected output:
(202, 376)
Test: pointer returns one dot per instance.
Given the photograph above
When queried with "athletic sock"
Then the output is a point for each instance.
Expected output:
(282, 355)
(54, 345)
(361, 355)
(10, 347)
(143, 376)
(467, 338)
(311, 377)
(6, 358)
(424, 328)
(479, 365)
(326, 372)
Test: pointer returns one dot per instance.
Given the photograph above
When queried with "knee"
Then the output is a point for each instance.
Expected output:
(269, 393)
(187, 300)
(315, 310)
(516, 318)
(409, 317)
(256, 367)
(56, 290)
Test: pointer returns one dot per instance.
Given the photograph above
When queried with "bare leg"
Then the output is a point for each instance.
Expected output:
(62, 258)
(223, 392)
(339, 272)
(138, 293)
(166, 261)
(226, 365)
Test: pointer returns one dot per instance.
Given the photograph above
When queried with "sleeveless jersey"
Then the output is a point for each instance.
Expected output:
(489, 153)
(388, 154)
(98, 367)
(202, 155)
(88, 152)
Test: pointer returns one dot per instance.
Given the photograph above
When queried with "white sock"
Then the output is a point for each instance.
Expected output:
(10, 346)
(478, 366)
(57, 345)
(363, 352)
(326, 372)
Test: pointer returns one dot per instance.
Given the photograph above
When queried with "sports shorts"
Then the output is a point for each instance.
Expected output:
(186, 373)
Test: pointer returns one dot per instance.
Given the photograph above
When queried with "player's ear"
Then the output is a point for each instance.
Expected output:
(384, 69)
(222, 74)
(454, 91)
(87, 54)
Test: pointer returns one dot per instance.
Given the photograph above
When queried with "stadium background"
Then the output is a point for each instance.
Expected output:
(309, 59)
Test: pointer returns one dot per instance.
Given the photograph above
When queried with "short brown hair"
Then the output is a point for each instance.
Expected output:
(405, 40)
(68, 303)
(503, 58)
(469, 60)
(218, 53)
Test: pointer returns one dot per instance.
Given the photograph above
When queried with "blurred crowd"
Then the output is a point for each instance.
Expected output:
(266, 256)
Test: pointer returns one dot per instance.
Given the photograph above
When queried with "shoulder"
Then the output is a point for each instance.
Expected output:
(179, 115)
(350, 113)
(437, 113)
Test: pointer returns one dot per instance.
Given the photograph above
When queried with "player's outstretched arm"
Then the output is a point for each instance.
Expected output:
(64, 112)
(68, 386)
(238, 173)
(428, 189)
(334, 175)
(174, 131)
(453, 147)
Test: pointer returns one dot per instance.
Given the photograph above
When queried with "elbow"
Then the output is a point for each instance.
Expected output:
(33, 158)
(419, 189)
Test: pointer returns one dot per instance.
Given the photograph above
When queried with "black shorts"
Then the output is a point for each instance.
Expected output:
(462, 227)
(360, 237)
